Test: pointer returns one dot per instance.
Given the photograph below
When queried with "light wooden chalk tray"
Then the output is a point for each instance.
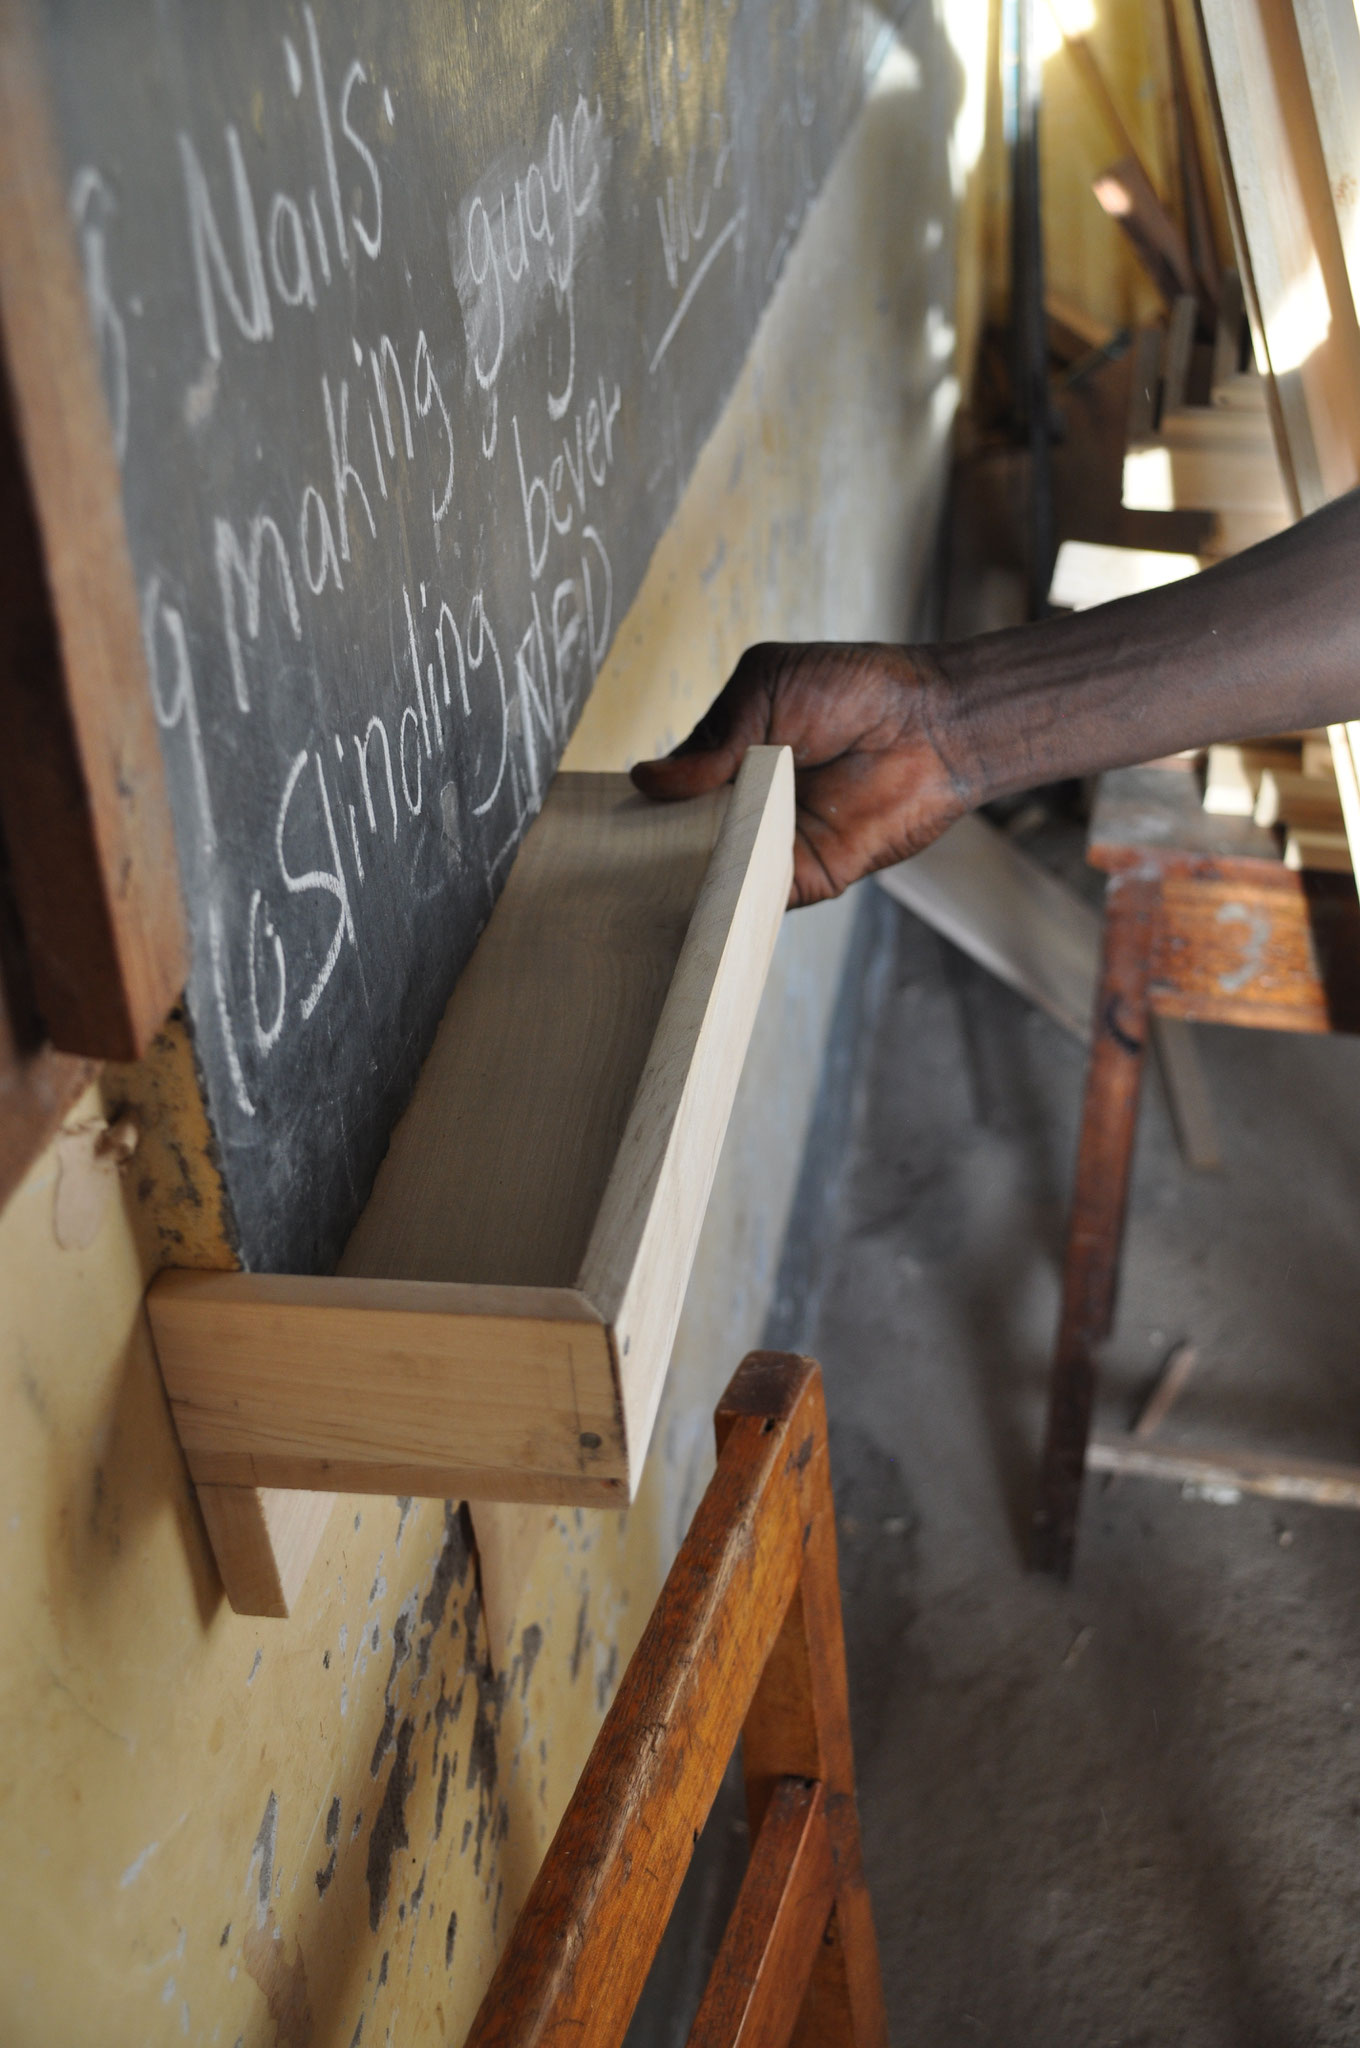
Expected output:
(502, 1319)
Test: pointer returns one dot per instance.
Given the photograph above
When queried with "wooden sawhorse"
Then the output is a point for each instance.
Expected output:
(1202, 921)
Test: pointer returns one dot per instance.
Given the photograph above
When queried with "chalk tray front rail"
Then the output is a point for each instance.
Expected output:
(502, 1318)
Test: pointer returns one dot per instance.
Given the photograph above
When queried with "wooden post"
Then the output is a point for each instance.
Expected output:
(1095, 1234)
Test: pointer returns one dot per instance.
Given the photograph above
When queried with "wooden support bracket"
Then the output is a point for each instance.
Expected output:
(503, 1315)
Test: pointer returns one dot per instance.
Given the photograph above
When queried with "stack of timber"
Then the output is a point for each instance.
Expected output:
(1221, 456)
(1286, 83)
(1200, 436)
(1289, 783)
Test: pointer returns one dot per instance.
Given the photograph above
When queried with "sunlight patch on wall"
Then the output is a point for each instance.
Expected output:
(961, 20)
(1062, 18)
(1300, 319)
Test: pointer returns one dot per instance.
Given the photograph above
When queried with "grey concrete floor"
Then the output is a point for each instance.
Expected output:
(1127, 1810)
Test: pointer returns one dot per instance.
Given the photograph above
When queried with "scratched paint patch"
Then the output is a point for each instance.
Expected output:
(265, 1954)
(1255, 934)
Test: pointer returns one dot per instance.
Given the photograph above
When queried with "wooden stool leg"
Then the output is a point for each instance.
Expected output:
(1095, 1233)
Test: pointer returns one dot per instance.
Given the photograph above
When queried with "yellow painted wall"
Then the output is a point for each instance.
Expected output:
(214, 1829)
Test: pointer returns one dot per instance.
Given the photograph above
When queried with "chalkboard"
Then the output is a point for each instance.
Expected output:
(411, 321)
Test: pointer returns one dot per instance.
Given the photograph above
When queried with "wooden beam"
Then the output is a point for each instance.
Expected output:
(264, 1540)
(1171, 1382)
(1227, 371)
(1126, 195)
(1096, 1228)
(637, 1263)
(1329, 41)
(1180, 349)
(1194, 186)
(1286, 797)
(799, 1723)
(1291, 255)
(1277, 1478)
(1145, 385)
(1318, 852)
(1089, 573)
(1208, 458)
(1186, 1088)
(982, 892)
(1087, 66)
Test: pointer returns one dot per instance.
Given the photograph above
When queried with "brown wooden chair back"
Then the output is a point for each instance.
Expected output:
(746, 1641)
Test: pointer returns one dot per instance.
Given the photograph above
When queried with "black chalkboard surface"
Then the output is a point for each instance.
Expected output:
(412, 319)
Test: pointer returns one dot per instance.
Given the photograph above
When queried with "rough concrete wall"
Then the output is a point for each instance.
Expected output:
(221, 1830)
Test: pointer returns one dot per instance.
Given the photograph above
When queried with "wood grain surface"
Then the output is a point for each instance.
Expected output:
(496, 1172)
(1282, 954)
(637, 1263)
(579, 1954)
(1032, 930)
(799, 1724)
(503, 1317)
(1271, 1474)
(264, 1539)
(760, 1977)
(1303, 308)
(1023, 924)
(390, 1386)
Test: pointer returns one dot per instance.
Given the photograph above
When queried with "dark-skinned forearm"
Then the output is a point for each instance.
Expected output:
(1267, 642)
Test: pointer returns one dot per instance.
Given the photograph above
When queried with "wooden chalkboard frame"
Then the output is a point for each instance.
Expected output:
(83, 797)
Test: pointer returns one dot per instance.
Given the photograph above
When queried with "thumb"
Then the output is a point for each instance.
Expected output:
(682, 775)
(736, 719)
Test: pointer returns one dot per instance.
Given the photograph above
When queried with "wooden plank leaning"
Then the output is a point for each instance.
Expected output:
(1030, 929)
(745, 1640)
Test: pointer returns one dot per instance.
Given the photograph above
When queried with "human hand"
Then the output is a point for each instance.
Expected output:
(870, 783)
